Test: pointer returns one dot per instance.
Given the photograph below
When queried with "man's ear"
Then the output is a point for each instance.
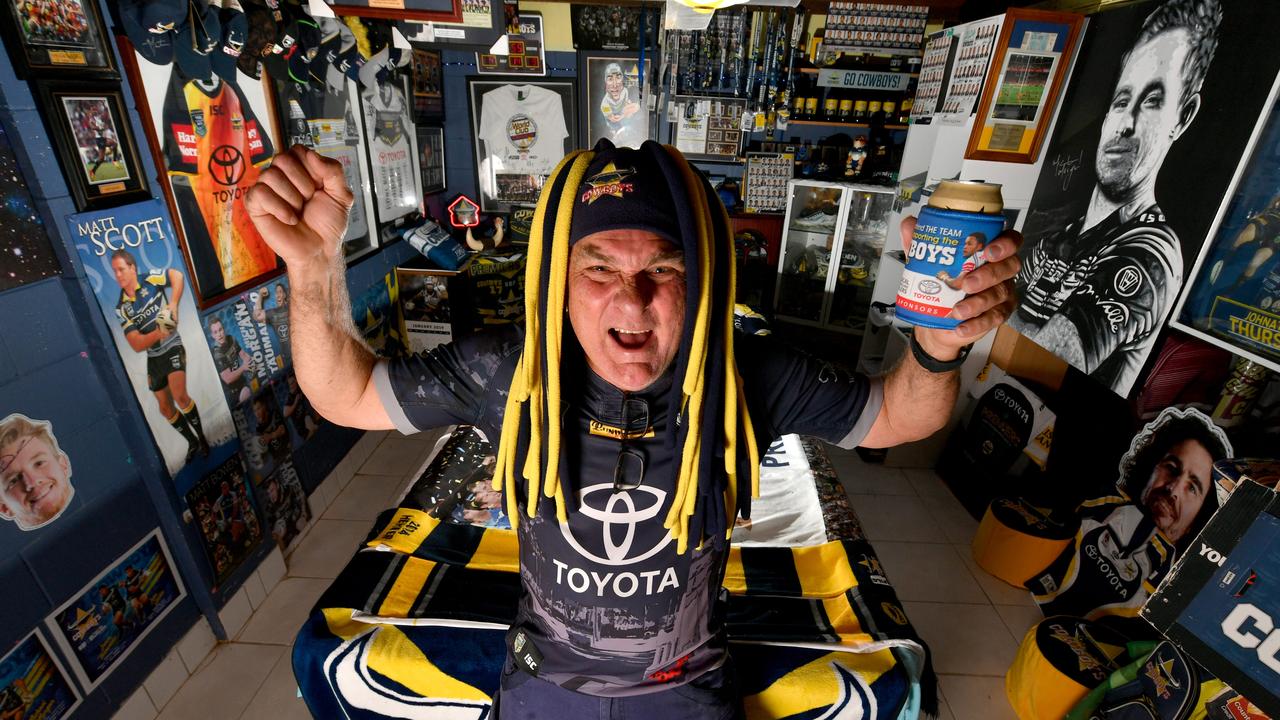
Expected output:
(1186, 114)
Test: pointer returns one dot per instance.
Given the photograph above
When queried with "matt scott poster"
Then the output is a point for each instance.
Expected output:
(226, 517)
(132, 262)
(1162, 102)
(24, 247)
(249, 340)
(1233, 298)
(33, 683)
(100, 626)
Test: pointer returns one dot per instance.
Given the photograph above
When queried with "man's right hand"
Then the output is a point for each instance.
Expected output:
(300, 206)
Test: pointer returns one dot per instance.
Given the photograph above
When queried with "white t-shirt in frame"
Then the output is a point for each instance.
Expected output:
(523, 129)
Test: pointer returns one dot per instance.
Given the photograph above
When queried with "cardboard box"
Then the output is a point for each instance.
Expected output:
(1221, 602)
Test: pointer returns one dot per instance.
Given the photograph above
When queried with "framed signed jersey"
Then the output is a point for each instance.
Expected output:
(521, 131)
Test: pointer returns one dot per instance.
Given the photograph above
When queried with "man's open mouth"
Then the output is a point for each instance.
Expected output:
(630, 339)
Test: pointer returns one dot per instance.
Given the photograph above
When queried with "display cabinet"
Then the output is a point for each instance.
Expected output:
(831, 223)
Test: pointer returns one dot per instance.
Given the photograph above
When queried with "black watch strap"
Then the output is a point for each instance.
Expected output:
(933, 364)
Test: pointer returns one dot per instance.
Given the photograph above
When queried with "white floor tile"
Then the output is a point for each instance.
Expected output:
(969, 639)
(977, 698)
(397, 456)
(278, 699)
(325, 494)
(222, 689)
(272, 570)
(952, 518)
(1019, 618)
(235, 613)
(944, 710)
(928, 572)
(255, 590)
(164, 681)
(196, 645)
(364, 498)
(328, 548)
(926, 483)
(137, 707)
(278, 618)
(997, 590)
(861, 478)
(896, 517)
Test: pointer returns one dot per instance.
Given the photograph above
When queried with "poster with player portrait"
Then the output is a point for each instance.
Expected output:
(90, 131)
(613, 99)
(24, 244)
(300, 417)
(612, 27)
(33, 684)
(392, 145)
(131, 259)
(214, 137)
(521, 131)
(1233, 296)
(222, 505)
(1115, 218)
(35, 473)
(100, 625)
(264, 437)
(285, 504)
(56, 35)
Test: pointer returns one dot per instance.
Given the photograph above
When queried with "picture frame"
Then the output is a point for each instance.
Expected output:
(78, 45)
(46, 684)
(392, 151)
(421, 10)
(431, 158)
(710, 130)
(626, 124)
(525, 52)
(514, 124)
(482, 23)
(93, 138)
(428, 86)
(1023, 85)
(612, 28)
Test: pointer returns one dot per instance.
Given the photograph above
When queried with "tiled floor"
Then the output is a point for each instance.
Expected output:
(971, 621)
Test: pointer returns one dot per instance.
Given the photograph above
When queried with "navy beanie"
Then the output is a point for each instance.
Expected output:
(624, 189)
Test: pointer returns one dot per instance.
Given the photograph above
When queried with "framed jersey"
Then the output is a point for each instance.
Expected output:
(392, 147)
(521, 130)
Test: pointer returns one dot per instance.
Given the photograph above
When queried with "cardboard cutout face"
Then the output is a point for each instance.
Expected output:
(35, 475)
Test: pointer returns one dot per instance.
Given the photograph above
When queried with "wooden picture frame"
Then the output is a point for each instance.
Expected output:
(1023, 85)
(431, 158)
(445, 11)
(93, 138)
(511, 163)
(628, 131)
(78, 45)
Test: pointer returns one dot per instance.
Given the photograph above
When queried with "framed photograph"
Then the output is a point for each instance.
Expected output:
(99, 626)
(708, 128)
(764, 182)
(482, 23)
(56, 35)
(33, 681)
(521, 130)
(94, 142)
(612, 27)
(421, 10)
(391, 143)
(428, 86)
(1023, 84)
(1232, 295)
(431, 158)
(613, 99)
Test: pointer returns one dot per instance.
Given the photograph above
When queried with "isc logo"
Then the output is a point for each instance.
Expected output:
(1214, 556)
(1250, 627)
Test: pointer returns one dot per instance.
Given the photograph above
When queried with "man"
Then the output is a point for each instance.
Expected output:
(1097, 292)
(620, 110)
(271, 432)
(642, 378)
(1261, 234)
(232, 361)
(298, 410)
(35, 475)
(149, 320)
(1125, 547)
(278, 316)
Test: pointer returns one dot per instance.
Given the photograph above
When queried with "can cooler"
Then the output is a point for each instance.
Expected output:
(946, 245)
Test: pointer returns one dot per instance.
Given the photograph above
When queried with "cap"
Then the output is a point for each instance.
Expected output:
(150, 25)
(196, 39)
(260, 39)
(612, 68)
(289, 59)
(235, 31)
(624, 189)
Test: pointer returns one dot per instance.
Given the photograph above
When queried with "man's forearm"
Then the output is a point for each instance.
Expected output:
(918, 402)
(332, 363)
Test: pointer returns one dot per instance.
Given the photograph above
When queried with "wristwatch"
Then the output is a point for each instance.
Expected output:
(933, 364)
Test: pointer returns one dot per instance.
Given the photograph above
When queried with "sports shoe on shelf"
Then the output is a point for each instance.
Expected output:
(819, 219)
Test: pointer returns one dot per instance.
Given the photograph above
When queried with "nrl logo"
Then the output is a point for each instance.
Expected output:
(609, 181)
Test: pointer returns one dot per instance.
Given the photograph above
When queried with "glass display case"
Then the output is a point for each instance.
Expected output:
(830, 223)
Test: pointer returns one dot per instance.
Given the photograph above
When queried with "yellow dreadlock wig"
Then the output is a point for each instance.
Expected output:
(709, 430)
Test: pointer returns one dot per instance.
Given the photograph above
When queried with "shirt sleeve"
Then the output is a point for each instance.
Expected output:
(464, 381)
(791, 392)
(255, 135)
(1127, 295)
(181, 151)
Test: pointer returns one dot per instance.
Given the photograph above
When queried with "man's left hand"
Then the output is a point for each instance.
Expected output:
(990, 296)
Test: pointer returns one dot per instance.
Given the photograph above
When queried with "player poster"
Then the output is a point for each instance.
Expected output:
(610, 27)
(264, 437)
(132, 262)
(24, 244)
(1157, 115)
(100, 625)
(245, 337)
(300, 417)
(33, 683)
(1233, 298)
(285, 504)
(426, 308)
(225, 514)
(614, 102)
(215, 137)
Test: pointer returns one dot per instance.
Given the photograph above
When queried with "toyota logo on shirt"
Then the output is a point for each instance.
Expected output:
(226, 165)
(618, 516)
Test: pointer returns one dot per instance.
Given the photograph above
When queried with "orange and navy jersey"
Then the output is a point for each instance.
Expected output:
(213, 139)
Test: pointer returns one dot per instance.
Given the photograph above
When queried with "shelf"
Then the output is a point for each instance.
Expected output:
(815, 71)
(837, 123)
